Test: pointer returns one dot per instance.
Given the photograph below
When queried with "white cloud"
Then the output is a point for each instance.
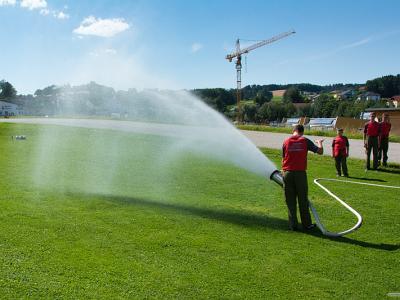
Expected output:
(101, 27)
(339, 49)
(7, 2)
(56, 14)
(103, 52)
(110, 51)
(196, 47)
(60, 15)
(44, 12)
(33, 4)
(355, 44)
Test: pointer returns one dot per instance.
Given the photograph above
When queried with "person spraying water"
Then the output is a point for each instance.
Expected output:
(295, 184)
(294, 166)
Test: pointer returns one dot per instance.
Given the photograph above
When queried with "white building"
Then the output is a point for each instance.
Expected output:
(369, 96)
(10, 109)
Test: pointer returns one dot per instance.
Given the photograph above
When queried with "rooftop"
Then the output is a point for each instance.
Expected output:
(384, 109)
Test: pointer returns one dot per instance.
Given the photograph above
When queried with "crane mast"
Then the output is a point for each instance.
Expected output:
(238, 54)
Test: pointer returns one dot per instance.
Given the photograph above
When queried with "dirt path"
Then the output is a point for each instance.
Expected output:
(275, 140)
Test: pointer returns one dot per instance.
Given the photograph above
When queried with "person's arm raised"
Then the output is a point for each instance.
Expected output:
(320, 146)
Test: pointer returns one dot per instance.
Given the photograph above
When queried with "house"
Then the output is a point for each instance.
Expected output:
(395, 100)
(10, 109)
(369, 96)
(290, 122)
(362, 88)
(341, 95)
(322, 123)
(309, 95)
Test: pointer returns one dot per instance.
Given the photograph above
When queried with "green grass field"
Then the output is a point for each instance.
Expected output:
(102, 214)
(277, 98)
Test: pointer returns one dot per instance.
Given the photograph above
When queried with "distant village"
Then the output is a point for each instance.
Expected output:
(272, 104)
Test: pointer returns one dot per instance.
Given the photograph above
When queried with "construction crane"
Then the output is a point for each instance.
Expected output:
(238, 54)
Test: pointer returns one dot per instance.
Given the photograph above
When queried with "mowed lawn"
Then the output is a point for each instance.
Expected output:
(103, 214)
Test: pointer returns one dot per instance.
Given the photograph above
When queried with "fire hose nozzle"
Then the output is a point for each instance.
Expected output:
(277, 177)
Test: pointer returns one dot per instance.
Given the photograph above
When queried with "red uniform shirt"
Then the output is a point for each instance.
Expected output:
(385, 129)
(372, 128)
(295, 149)
(339, 146)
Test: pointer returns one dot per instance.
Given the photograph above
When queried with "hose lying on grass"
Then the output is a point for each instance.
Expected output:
(348, 207)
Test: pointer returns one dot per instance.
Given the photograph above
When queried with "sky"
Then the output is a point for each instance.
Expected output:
(182, 44)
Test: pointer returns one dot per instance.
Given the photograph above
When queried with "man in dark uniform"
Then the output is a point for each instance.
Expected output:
(294, 165)
(371, 141)
(384, 138)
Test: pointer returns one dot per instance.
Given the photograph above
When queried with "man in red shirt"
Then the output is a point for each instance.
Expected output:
(384, 138)
(371, 142)
(294, 165)
(340, 151)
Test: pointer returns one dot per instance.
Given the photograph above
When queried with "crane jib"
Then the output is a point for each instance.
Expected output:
(257, 45)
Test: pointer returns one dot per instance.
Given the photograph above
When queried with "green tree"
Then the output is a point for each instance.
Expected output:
(275, 111)
(324, 106)
(249, 112)
(386, 86)
(7, 90)
(263, 96)
(292, 94)
(217, 98)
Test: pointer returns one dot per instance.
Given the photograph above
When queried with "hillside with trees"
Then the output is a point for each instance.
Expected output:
(386, 86)
(258, 106)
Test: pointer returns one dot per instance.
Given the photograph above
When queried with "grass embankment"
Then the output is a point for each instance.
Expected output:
(100, 214)
(277, 99)
(331, 133)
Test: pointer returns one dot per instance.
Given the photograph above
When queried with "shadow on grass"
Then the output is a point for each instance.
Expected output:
(246, 219)
(242, 218)
(392, 171)
(367, 179)
(346, 240)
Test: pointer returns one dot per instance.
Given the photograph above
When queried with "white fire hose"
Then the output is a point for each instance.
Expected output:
(348, 207)
(277, 177)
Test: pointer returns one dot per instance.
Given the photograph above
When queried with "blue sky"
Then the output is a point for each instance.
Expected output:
(182, 43)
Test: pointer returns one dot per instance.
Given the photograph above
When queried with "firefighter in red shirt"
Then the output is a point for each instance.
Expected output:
(340, 151)
(371, 141)
(384, 139)
(294, 165)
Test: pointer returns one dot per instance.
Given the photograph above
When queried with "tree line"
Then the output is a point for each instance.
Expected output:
(387, 86)
(258, 104)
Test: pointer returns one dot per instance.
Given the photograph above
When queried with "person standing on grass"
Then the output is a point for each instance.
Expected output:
(371, 141)
(294, 165)
(384, 139)
(340, 151)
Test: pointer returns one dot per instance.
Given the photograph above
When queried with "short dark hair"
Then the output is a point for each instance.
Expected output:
(298, 128)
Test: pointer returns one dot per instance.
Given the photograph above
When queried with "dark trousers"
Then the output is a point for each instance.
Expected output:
(372, 145)
(383, 149)
(341, 164)
(296, 189)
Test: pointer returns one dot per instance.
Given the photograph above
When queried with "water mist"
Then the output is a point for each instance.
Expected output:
(178, 116)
